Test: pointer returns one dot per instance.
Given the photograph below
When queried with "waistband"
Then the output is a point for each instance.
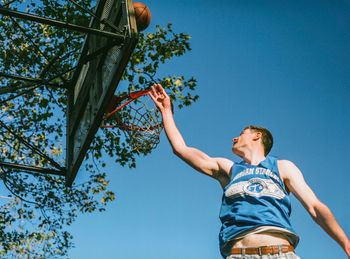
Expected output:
(262, 250)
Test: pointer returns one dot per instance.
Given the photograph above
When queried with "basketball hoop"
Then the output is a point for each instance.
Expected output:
(136, 115)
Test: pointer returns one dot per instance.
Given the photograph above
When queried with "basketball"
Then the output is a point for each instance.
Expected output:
(142, 15)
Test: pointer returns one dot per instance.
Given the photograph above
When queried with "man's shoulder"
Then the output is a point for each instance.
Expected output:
(286, 168)
(225, 168)
(285, 162)
(224, 163)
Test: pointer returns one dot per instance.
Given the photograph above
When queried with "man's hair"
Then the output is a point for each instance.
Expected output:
(267, 139)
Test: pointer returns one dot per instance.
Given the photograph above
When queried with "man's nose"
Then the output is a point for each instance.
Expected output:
(234, 140)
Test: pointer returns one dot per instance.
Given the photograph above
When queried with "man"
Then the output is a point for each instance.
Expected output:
(255, 206)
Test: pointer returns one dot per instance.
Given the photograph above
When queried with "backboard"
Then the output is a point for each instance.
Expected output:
(100, 67)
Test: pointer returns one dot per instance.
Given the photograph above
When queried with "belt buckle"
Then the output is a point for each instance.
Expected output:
(280, 250)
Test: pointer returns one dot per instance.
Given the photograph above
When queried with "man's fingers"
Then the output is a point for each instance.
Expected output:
(153, 91)
(160, 90)
(158, 94)
(153, 97)
(157, 90)
(155, 94)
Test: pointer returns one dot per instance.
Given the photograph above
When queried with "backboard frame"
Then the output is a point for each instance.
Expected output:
(95, 80)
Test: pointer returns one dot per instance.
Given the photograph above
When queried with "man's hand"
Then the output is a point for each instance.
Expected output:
(160, 98)
(347, 248)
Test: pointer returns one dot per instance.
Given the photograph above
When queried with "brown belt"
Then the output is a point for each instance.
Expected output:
(262, 250)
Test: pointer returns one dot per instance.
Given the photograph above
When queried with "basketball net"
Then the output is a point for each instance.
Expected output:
(138, 117)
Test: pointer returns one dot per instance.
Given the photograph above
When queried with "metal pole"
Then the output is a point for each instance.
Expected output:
(28, 79)
(30, 146)
(33, 169)
(69, 26)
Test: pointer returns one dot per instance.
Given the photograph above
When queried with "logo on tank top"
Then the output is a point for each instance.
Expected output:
(256, 187)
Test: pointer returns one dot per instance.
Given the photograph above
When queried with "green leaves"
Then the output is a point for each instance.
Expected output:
(153, 50)
(37, 113)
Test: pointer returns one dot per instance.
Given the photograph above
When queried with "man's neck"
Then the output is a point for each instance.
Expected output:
(253, 157)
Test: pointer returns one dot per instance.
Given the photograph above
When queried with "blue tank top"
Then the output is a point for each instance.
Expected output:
(255, 197)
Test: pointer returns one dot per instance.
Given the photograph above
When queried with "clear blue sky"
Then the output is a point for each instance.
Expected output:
(281, 64)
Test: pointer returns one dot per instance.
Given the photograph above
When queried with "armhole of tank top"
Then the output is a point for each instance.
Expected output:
(279, 175)
(232, 174)
(230, 177)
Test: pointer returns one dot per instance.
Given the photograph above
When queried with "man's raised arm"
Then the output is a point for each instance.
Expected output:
(218, 168)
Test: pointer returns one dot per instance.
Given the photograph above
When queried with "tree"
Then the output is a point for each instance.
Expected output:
(38, 206)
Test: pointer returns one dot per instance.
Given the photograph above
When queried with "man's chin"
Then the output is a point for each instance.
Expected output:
(237, 152)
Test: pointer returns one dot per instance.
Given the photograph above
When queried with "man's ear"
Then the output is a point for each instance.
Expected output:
(257, 135)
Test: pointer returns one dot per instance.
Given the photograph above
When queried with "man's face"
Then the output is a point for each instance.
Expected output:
(245, 138)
